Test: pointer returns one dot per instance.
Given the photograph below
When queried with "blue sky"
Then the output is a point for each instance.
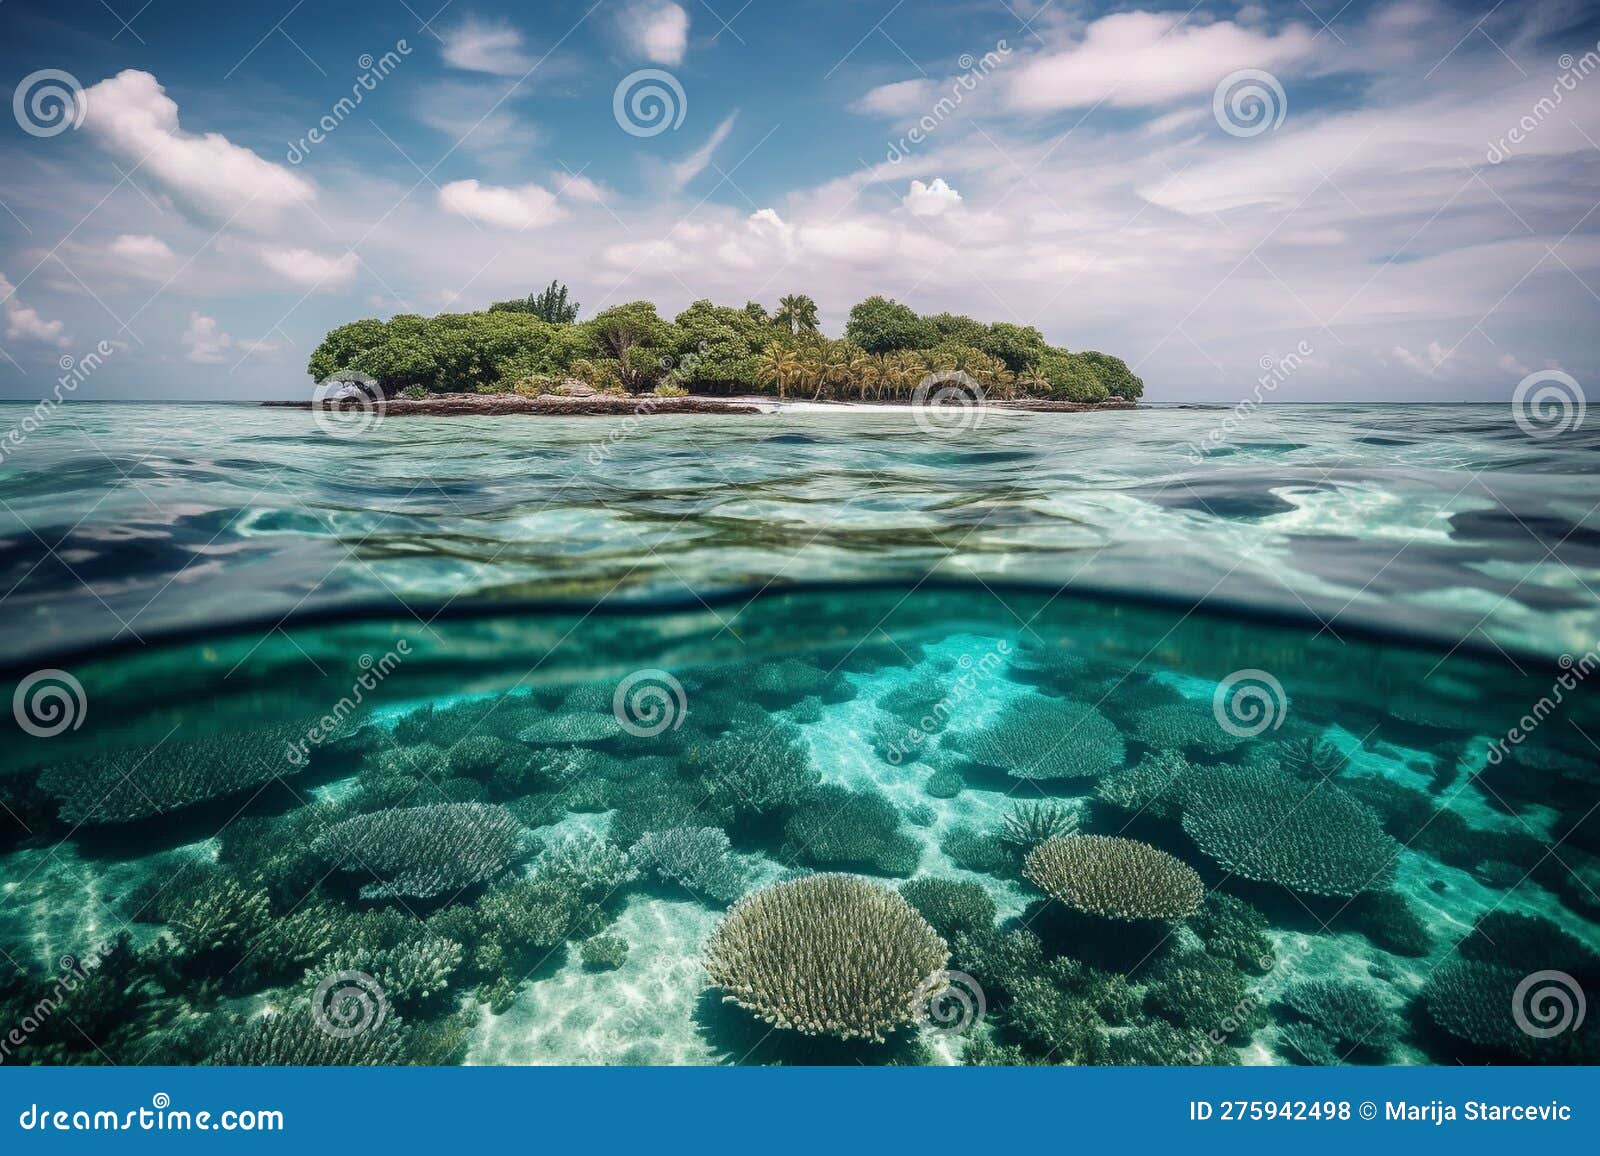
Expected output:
(1372, 212)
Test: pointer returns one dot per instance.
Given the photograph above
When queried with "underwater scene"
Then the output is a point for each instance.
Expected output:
(800, 740)
(931, 825)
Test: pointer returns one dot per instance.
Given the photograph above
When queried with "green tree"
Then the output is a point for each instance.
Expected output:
(1019, 346)
(635, 338)
(1071, 378)
(882, 325)
(958, 328)
(1114, 374)
(797, 314)
(551, 305)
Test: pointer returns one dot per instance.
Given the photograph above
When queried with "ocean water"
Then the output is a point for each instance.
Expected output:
(799, 739)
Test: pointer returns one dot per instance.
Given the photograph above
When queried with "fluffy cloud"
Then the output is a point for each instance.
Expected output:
(902, 98)
(656, 31)
(205, 342)
(523, 207)
(143, 249)
(931, 200)
(24, 323)
(309, 269)
(135, 120)
(1134, 59)
(476, 46)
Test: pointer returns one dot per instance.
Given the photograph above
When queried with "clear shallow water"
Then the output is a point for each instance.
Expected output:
(367, 833)
(132, 520)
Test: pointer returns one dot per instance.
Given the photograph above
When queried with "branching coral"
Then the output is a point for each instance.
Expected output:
(1197, 991)
(974, 850)
(136, 783)
(1030, 824)
(842, 828)
(1115, 877)
(1306, 1044)
(1182, 727)
(951, 906)
(604, 952)
(1267, 825)
(943, 784)
(425, 851)
(750, 772)
(1352, 1016)
(294, 1038)
(1042, 738)
(1152, 786)
(409, 973)
(1311, 758)
(1234, 931)
(697, 859)
(827, 954)
(587, 865)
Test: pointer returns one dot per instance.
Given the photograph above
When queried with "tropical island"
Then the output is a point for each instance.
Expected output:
(535, 348)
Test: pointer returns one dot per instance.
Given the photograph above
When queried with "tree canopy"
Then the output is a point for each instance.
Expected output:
(533, 344)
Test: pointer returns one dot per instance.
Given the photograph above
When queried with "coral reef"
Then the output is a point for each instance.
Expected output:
(586, 865)
(140, 782)
(943, 784)
(698, 859)
(1153, 786)
(827, 954)
(1030, 824)
(974, 850)
(951, 906)
(1185, 727)
(424, 852)
(294, 1038)
(1235, 932)
(842, 828)
(604, 952)
(1266, 825)
(748, 773)
(407, 974)
(1351, 1016)
(1115, 877)
(1042, 738)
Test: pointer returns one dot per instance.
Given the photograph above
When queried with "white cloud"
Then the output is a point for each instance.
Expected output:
(309, 269)
(477, 46)
(205, 341)
(657, 31)
(695, 163)
(931, 200)
(576, 187)
(143, 255)
(1134, 59)
(902, 98)
(523, 207)
(24, 323)
(134, 119)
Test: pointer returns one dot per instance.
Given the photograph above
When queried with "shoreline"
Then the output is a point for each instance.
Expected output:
(648, 405)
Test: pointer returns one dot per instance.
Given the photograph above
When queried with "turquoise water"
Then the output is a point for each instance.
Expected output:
(800, 738)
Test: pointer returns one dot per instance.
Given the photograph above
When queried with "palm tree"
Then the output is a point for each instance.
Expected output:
(797, 314)
(858, 367)
(779, 366)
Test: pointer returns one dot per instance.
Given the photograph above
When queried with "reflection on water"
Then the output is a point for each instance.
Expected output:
(895, 824)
